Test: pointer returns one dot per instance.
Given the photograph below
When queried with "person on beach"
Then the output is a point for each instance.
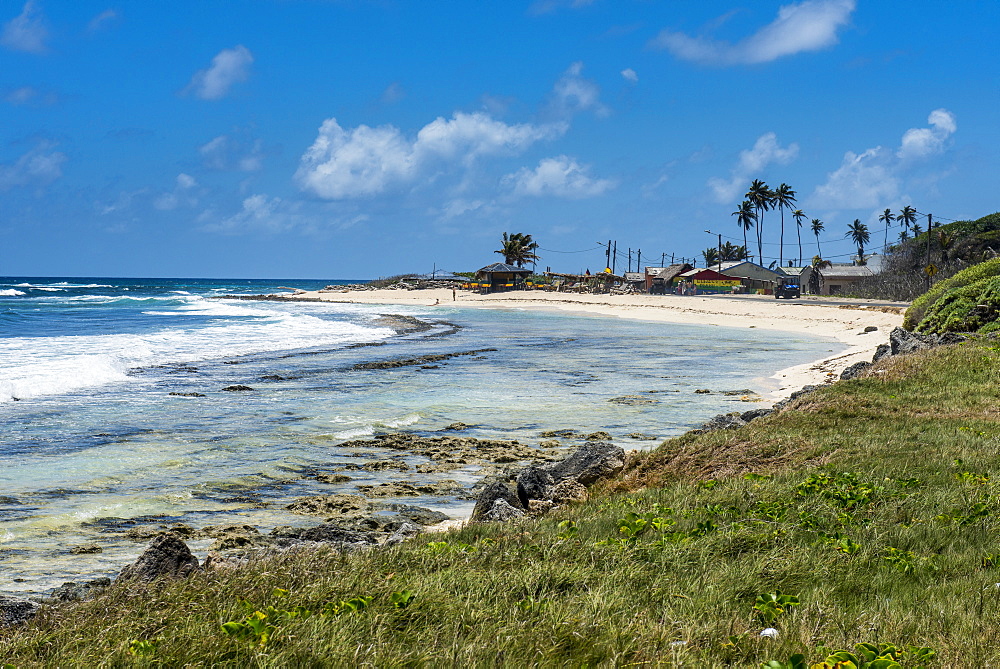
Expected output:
(453, 295)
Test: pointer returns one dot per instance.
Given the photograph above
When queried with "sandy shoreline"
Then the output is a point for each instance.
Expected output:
(843, 320)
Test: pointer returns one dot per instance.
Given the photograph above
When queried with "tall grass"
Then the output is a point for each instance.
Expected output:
(874, 501)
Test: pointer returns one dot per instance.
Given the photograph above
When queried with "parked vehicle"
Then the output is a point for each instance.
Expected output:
(787, 288)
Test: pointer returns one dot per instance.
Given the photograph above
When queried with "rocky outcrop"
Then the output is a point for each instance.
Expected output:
(166, 556)
(72, 592)
(15, 611)
(540, 488)
(496, 490)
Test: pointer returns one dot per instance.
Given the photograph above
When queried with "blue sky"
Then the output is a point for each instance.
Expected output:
(355, 139)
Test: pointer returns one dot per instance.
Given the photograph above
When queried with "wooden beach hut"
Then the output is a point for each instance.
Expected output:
(501, 276)
(659, 279)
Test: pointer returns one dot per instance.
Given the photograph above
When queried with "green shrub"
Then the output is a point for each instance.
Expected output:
(966, 309)
(984, 270)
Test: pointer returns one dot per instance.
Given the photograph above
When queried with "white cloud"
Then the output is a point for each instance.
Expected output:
(766, 150)
(561, 176)
(38, 167)
(26, 31)
(365, 161)
(258, 213)
(874, 177)
(21, 96)
(924, 142)
(572, 94)
(180, 195)
(229, 66)
(103, 19)
(629, 75)
(810, 25)
(228, 153)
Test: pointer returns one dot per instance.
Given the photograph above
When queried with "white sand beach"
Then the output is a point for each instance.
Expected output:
(843, 319)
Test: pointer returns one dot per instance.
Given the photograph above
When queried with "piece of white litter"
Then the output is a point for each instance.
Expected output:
(678, 643)
(769, 633)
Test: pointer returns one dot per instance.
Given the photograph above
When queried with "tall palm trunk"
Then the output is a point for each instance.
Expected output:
(781, 239)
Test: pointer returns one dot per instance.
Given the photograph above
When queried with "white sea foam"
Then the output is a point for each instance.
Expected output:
(11, 292)
(37, 366)
(367, 431)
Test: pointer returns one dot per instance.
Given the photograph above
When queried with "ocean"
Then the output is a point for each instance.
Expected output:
(113, 413)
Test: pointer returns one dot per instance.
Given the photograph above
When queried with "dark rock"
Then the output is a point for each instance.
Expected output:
(333, 478)
(497, 490)
(418, 514)
(949, 338)
(600, 435)
(589, 463)
(341, 506)
(332, 533)
(502, 512)
(724, 421)
(405, 531)
(633, 400)
(804, 390)
(854, 371)
(741, 391)
(456, 427)
(72, 592)
(703, 391)
(533, 483)
(273, 377)
(417, 361)
(565, 434)
(187, 394)
(754, 414)
(870, 328)
(14, 611)
(86, 550)
(166, 555)
(883, 351)
(902, 342)
(640, 436)
(237, 388)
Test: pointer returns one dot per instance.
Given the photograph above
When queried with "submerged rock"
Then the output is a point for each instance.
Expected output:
(237, 388)
(166, 556)
(339, 506)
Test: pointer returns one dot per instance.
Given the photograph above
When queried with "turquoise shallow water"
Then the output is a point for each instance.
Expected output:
(94, 442)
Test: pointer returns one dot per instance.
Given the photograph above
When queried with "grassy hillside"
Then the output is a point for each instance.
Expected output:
(865, 513)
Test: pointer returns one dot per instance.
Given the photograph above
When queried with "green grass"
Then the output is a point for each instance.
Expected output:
(875, 502)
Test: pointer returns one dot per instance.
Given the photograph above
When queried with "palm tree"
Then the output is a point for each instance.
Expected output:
(814, 277)
(946, 241)
(817, 227)
(732, 252)
(745, 218)
(518, 249)
(908, 217)
(761, 197)
(798, 215)
(887, 218)
(782, 197)
(858, 233)
(711, 256)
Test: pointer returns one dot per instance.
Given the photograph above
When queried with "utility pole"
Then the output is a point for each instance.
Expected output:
(720, 253)
(608, 264)
(614, 257)
(638, 260)
(629, 259)
(927, 269)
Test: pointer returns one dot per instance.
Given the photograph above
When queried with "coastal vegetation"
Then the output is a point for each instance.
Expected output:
(858, 522)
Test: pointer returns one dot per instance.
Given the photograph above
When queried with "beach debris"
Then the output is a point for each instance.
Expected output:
(166, 556)
(15, 611)
(768, 633)
(237, 388)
